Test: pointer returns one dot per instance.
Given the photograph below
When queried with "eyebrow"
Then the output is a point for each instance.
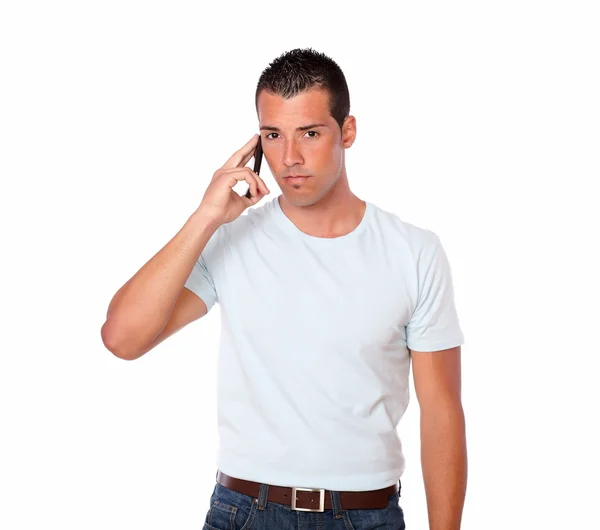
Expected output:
(303, 128)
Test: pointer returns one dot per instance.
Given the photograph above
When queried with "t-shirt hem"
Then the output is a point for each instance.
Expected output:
(436, 346)
(203, 292)
(340, 482)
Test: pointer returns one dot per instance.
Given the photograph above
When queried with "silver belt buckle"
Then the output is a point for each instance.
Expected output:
(321, 507)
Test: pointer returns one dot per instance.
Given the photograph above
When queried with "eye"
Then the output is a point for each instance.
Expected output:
(314, 133)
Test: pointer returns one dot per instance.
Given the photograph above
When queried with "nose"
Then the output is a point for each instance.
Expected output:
(291, 155)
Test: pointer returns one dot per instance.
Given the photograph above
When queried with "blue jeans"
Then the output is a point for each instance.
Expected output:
(230, 510)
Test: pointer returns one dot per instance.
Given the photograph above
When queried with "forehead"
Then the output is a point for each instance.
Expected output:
(307, 107)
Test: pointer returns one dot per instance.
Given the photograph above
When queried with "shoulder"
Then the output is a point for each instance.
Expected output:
(241, 233)
(254, 221)
(392, 227)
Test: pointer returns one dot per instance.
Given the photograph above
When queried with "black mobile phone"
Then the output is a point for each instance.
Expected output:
(258, 155)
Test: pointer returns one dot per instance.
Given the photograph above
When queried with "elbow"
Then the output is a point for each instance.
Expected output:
(115, 345)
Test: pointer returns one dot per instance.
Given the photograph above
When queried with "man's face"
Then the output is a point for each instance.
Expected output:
(291, 147)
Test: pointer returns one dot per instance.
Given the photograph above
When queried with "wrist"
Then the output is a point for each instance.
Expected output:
(205, 219)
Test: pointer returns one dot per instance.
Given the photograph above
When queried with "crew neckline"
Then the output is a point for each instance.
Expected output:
(287, 224)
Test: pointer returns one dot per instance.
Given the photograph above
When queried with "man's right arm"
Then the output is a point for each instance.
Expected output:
(153, 304)
(139, 314)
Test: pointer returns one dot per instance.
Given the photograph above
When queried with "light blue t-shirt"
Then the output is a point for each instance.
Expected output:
(313, 368)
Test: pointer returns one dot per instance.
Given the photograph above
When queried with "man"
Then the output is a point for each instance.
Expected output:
(325, 300)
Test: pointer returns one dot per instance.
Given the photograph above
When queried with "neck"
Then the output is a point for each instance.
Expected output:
(336, 214)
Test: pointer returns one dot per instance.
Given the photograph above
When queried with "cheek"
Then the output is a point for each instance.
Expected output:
(331, 157)
(327, 153)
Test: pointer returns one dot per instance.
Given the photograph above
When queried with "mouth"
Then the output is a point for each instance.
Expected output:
(296, 179)
(296, 176)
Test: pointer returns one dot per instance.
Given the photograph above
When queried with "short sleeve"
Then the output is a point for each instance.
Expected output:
(434, 324)
(201, 280)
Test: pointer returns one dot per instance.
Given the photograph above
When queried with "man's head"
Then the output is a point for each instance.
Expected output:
(303, 88)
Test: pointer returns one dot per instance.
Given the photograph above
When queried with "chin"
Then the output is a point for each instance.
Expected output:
(302, 200)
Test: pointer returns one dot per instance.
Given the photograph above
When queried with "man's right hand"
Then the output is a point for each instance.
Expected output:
(221, 204)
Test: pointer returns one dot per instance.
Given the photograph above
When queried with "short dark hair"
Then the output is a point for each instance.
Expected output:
(302, 69)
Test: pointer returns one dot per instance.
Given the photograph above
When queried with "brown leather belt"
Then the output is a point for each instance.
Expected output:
(309, 499)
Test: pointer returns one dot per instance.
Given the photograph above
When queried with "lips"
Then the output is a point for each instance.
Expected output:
(293, 179)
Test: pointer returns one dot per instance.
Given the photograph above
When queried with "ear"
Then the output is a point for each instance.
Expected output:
(348, 132)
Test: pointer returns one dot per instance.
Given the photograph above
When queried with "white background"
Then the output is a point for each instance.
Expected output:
(477, 120)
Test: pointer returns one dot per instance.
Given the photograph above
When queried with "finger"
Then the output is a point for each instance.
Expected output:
(262, 185)
(244, 173)
(248, 157)
(254, 198)
(237, 159)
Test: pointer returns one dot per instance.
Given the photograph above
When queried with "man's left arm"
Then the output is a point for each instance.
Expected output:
(437, 378)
